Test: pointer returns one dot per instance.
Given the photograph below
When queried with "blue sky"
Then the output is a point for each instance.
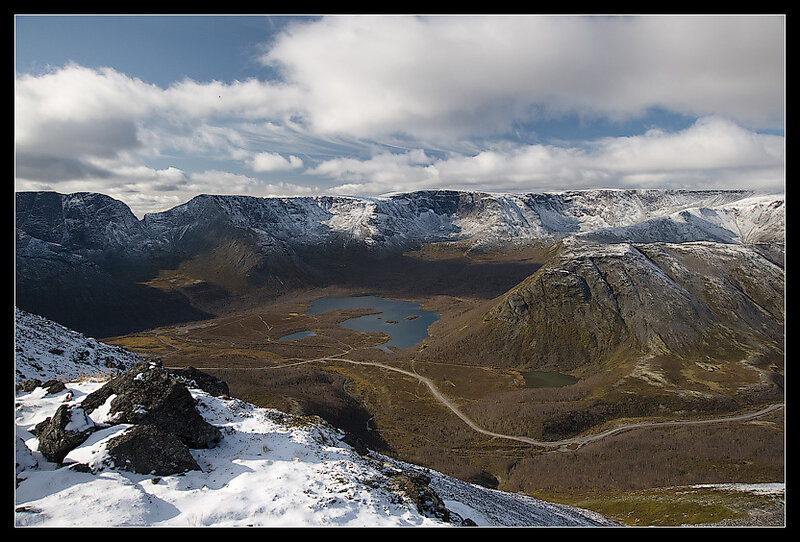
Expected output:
(153, 110)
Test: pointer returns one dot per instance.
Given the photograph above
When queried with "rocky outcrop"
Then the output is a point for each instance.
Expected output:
(162, 412)
(68, 428)
(195, 378)
(147, 449)
(148, 394)
(413, 486)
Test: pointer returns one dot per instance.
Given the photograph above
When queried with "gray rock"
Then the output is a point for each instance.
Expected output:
(198, 379)
(148, 395)
(29, 385)
(146, 449)
(68, 428)
(414, 487)
(54, 386)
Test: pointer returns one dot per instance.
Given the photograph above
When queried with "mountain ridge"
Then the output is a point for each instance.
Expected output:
(217, 247)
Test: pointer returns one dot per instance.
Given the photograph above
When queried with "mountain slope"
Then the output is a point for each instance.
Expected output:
(46, 350)
(270, 469)
(659, 297)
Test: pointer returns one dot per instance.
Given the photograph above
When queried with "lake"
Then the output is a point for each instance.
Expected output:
(405, 322)
(298, 335)
(547, 379)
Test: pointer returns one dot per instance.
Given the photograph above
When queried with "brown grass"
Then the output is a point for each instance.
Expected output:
(396, 414)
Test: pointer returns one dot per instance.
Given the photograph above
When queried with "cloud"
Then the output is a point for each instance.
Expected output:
(439, 87)
(443, 76)
(272, 161)
(147, 190)
(712, 153)
(80, 114)
(48, 168)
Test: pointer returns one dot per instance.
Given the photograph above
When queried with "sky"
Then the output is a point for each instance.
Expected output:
(154, 110)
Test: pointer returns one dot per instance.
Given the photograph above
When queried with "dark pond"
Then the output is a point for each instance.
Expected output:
(298, 335)
(405, 322)
(547, 379)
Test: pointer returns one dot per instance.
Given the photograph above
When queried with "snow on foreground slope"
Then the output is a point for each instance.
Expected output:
(46, 350)
(268, 470)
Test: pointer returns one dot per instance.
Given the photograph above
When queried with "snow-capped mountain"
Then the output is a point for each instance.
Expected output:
(401, 221)
(269, 469)
(747, 221)
(82, 257)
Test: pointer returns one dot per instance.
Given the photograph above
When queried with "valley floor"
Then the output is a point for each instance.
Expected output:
(427, 413)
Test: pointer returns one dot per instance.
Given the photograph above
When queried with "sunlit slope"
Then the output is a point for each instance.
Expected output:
(705, 317)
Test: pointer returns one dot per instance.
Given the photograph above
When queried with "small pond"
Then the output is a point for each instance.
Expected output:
(547, 379)
(298, 335)
(405, 322)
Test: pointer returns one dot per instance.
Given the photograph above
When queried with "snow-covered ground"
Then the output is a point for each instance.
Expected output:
(46, 350)
(774, 488)
(268, 470)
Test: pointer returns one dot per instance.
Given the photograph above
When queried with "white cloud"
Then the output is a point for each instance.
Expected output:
(439, 76)
(356, 83)
(74, 114)
(712, 153)
(272, 161)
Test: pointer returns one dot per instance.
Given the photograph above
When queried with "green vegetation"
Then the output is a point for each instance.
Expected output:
(675, 506)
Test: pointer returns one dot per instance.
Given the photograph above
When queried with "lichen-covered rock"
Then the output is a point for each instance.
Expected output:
(146, 449)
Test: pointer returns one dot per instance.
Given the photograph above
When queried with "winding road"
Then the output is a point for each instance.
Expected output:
(564, 444)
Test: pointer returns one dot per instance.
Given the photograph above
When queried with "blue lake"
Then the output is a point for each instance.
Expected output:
(405, 322)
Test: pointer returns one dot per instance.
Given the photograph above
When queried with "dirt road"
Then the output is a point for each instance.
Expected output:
(574, 442)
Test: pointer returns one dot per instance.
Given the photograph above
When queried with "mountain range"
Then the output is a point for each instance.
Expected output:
(662, 303)
(82, 258)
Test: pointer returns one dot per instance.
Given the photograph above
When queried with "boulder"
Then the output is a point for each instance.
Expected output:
(54, 386)
(414, 487)
(146, 449)
(28, 386)
(67, 428)
(148, 394)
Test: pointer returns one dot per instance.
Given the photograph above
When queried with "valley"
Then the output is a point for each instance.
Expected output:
(383, 400)
(671, 336)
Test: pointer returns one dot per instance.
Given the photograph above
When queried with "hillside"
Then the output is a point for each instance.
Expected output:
(268, 469)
